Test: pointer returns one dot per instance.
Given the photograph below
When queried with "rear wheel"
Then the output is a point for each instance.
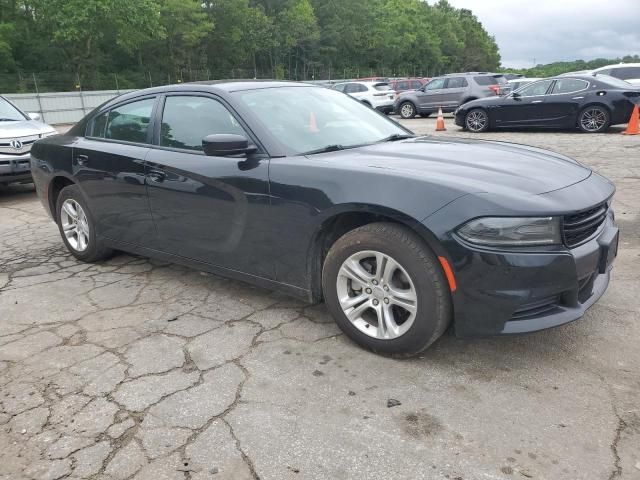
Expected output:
(386, 290)
(477, 120)
(594, 119)
(77, 226)
(407, 110)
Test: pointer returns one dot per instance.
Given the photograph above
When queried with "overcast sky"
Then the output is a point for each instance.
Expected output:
(558, 30)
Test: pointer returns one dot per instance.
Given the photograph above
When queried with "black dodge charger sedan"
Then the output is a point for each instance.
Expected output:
(305, 190)
(591, 103)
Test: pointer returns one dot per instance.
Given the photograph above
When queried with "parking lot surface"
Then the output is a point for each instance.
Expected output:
(140, 369)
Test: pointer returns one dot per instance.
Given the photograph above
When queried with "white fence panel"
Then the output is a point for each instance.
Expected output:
(62, 107)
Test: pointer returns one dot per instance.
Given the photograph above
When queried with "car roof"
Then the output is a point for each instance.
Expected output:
(618, 65)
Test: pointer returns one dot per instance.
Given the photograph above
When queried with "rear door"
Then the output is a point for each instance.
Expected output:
(109, 166)
(454, 90)
(207, 208)
(562, 105)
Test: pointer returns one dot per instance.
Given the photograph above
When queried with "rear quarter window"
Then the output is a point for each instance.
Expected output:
(486, 80)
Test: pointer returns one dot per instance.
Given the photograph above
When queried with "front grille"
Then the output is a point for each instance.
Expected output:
(579, 227)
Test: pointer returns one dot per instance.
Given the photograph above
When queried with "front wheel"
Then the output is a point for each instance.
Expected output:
(477, 120)
(386, 290)
(594, 119)
(407, 110)
(77, 227)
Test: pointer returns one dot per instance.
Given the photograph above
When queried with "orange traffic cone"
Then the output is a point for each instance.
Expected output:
(440, 121)
(633, 128)
(313, 124)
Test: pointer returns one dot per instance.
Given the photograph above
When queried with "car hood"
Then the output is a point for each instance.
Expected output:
(472, 166)
(24, 128)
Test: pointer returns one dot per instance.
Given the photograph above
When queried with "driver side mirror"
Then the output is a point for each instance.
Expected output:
(222, 145)
(34, 116)
(515, 95)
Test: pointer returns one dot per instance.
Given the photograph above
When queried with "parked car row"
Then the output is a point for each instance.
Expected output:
(591, 103)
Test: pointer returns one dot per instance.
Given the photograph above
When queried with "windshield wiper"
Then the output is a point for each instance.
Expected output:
(328, 148)
(396, 136)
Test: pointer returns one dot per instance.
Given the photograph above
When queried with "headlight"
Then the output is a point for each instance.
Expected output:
(507, 231)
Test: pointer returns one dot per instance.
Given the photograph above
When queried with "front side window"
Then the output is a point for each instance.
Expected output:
(535, 89)
(186, 120)
(9, 113)
(304, 119)
(568, 85)
(129, 122)
(416, 84)
(436, 84)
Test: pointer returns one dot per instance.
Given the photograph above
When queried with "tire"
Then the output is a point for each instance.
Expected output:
(82, 242)
(407, 110)
(425, 115)
(415, 275)
(594, 119)
(476, 120)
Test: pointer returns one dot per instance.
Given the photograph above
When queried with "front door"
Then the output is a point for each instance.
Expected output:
(433, 95)
(209, 209)
(109, 165)
(525, 108)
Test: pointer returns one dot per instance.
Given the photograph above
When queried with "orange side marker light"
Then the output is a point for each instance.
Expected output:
(448, 271)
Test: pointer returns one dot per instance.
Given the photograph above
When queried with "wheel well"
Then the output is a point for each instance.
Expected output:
(56, 186)
(335, 227)
(468, 100)
(596, 104)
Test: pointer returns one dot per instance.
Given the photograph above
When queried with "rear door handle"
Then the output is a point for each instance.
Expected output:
(577, 98)
(82, 159)
(537, 101)
(157, 176)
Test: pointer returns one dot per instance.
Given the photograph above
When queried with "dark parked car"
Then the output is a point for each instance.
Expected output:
(448, 92)
(308, 191)
(590, 103)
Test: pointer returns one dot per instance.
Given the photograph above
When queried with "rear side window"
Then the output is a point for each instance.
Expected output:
(340, 87)
(457, 82)
(568, 85)
(402, 86)
(383, 87)
(186, 120)
(130, 122)
(626, 73)
(486, 80)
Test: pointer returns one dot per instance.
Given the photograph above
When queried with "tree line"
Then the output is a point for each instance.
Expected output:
(293, 39)
(557, 68)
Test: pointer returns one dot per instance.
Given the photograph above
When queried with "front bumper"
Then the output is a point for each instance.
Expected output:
(501, 292)
(15, 168)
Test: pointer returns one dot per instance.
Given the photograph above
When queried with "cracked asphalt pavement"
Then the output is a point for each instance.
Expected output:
(133, 368)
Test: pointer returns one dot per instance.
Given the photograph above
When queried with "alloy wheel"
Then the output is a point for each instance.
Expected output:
(75, 225)
(406, 111)
(476, 121)
(377, 295)
(593, 119)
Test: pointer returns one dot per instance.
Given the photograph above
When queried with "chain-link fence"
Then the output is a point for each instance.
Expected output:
(42, 82)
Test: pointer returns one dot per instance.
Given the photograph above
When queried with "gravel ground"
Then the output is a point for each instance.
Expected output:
(139, 369)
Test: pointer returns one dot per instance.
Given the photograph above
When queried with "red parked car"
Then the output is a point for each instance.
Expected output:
(404, 84)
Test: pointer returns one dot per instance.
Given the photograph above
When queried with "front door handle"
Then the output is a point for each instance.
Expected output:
(157, 175)
(82, 159)
(537, 101)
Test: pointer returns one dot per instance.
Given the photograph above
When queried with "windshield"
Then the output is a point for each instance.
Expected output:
(306, 119)
(9, 113)
(613, 81)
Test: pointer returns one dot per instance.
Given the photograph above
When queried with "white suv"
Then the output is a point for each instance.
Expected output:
(378, 95)
(629, 72)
